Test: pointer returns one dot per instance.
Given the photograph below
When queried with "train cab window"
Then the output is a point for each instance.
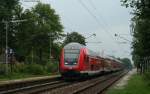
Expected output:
(71, 56)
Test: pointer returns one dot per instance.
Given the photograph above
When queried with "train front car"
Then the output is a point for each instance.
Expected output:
(72, 58)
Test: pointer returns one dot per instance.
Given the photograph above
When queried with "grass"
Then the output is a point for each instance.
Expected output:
(136, 85)
(20, 76)
(19, 71)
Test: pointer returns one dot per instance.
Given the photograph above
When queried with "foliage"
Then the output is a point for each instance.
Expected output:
(2, 69)
(21, 70)
(127, 63)
(56, 50)
(52, 67)
(140, 27)
(38, 33)
(7, 12)
(34, 69)
(74, 37)
(33, 38)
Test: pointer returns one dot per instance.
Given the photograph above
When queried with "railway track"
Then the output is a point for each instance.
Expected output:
(57, 86)
(99, 86)
(91, 86)
(35, 88)
(31, 86)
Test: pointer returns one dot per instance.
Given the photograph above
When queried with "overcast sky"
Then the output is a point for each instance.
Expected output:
(102, 17)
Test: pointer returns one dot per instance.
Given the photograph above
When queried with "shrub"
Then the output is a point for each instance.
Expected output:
(34, 69)
(2, 69)
(20, 70)
(52, 67)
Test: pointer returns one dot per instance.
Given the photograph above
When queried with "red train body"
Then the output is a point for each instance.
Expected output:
(76, 59)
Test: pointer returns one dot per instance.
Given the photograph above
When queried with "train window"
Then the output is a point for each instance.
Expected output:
(71, 56)
(72, 51)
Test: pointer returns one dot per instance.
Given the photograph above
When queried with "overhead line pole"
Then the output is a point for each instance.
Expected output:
(6, 45)
(122, 38)
(91, 36)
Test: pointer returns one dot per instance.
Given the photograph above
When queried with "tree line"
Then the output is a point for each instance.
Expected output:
(33, 36)
(36, 37)
(140, 27)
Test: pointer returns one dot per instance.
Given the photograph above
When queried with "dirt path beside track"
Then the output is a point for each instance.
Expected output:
(123, 81)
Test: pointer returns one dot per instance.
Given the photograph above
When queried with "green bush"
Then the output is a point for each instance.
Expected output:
(34, 69)
(21, 70)
(2, 69)
(18, 68)
(52, 67)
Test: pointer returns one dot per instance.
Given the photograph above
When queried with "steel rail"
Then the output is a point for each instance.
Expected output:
(16, 86)
(103, 84)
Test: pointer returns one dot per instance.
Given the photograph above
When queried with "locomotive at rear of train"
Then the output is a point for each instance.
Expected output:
(77, 60)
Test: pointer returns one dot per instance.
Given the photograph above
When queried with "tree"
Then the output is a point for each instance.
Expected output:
(33, 37)
(38, 33)
(74, 37)
(31, 40)
(56, 51)
(141, 28)
(127, 63)
(7, 12)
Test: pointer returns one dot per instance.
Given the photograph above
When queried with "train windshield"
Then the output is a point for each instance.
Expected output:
(71, 56)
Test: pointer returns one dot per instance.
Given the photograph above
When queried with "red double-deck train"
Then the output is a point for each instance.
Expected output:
(76, 60)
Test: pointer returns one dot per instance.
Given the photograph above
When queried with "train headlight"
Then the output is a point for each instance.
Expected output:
(66, 62)
(75, 62)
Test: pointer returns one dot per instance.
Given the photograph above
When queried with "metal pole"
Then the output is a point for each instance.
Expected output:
(50, 49)
(122, 38)
(90, 36)
(6, 23)
(6, 42)
(50, 46)
(7, 26)
(32, 55)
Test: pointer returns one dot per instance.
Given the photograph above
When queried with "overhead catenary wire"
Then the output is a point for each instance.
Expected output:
(100, 15)
(95, 18)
